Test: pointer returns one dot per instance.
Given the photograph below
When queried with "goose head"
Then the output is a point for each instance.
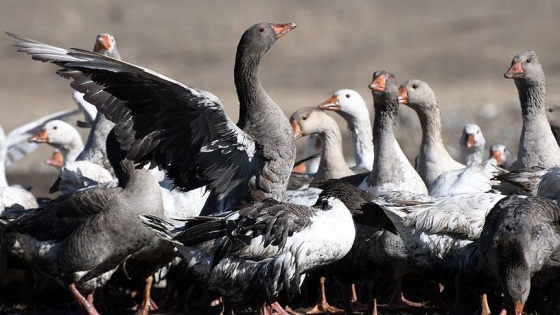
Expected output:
(311, 120)
(346, 102)
(417, 95)
(525, 67)
(472, 144)
(258, 39)
(57, 133)
(105, 44)
(501, 153)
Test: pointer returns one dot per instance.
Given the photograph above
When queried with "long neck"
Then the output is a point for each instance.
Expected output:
(332, 163)
(72, 149)
(362, 140)
(532, 98)
(391, 169)
(95, 150)
(250, 92)
(537, 145)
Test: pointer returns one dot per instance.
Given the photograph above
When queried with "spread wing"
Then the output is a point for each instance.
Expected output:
(160, 121)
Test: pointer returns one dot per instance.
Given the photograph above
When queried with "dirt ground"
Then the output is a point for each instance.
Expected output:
(461, 48)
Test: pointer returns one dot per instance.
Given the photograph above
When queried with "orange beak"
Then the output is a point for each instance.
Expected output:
(41, 137)
(55, 160)
(282, 29)
(296, 129)
(470, 140)
(497, 155)
(515, 70)
(403, 95)
(103, 43)
(518, 308)
(301, 168)
(378, 84)
(330, 104)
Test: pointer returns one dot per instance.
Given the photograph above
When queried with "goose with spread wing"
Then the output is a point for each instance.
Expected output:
(185, 130)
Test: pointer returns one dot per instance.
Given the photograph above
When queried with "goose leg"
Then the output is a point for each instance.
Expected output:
(356, 305)
(147, 303)
(484, 305)
(278, 308)
(323, 306)
(398, 300)
(82, 300)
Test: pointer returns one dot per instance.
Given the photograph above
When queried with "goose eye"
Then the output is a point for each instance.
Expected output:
(304, 118)
(528, 60)
(55, 127)
(347, 95)
(550, 110)
(414, 86)
(261, 29)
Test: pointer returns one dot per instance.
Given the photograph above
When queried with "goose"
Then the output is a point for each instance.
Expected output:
(472, 144)
(537, 145)
(81, 238)
(13, 147)
(442, 174)
(433, 158)
(248, 161)
(352, 107)
(391, 169)
(392, 173)
(500, 156)
(266, 247)
(74, 174)
(95, 149)
(520, 244)
(311, 120)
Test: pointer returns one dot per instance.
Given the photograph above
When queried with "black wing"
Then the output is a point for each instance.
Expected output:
(160, 121)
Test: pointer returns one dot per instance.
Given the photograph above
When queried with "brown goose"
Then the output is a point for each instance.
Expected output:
(82, 238)
(185, 130)
(537, 145)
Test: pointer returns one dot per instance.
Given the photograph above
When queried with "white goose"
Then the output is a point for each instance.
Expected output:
(74, 174)
(352, 107)
(472, 144)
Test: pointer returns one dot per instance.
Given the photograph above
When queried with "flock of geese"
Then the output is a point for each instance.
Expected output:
(167, 186)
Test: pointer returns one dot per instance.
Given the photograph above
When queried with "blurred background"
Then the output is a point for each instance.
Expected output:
(461, 48)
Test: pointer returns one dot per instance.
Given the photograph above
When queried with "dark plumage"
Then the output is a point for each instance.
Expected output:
(185, 130)
(520, 242)
(83, 237)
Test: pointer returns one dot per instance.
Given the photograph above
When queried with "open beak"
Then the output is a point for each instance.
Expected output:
(330, 104)
(282, 29)
(41, 137)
